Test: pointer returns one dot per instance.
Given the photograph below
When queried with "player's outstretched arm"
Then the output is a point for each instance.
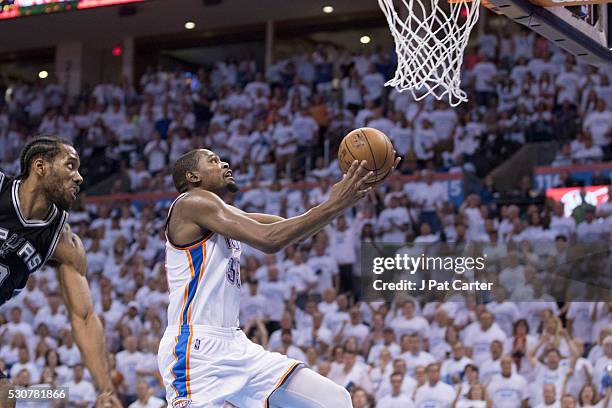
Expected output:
(261, 218)
(71, 266)
(208, 211)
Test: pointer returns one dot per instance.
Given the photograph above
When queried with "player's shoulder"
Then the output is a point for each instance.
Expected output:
(198, 200)
(69, 249)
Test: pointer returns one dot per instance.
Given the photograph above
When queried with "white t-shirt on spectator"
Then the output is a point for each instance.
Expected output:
(599, 124)
(83, 391)
(412, 361)
(408, 386)
(480, 341)
(399, 401)
(508, 392)
(484, 73)
(275, 293)
(126, 365)
(325, 268)
(152, 402)
(31, 367)
(417, 324)
(582, 325)
(69, 355)
(373, 84)
(252, 306)
(440, 395)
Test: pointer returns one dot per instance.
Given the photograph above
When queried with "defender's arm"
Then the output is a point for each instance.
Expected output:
(71, 264)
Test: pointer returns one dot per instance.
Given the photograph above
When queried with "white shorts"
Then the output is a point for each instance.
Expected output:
(204, 366)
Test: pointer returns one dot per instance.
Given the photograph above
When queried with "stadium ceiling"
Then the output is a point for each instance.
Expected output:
(166, 18)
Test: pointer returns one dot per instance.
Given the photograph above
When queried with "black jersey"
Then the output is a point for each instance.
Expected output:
(25, 245)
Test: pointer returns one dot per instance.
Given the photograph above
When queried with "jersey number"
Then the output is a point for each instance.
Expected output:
(233, 271)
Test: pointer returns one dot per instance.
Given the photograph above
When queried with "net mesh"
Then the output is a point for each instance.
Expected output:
(429, 43)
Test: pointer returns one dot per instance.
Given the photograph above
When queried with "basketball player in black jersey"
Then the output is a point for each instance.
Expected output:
(34, 232)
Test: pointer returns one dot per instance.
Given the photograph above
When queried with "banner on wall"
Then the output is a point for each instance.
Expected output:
(570, 197)
(550, 177)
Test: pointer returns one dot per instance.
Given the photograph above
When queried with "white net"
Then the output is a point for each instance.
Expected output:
(429, 43)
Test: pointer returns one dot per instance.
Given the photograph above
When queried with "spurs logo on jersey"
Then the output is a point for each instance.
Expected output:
(204, 281)
(11, 244)
(25, 245)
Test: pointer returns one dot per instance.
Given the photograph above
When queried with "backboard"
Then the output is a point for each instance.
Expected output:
(583, 28)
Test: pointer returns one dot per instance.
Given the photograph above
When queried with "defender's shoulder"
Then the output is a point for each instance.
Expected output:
(70, 250)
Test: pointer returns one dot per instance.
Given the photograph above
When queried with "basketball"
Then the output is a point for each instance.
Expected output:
(371, 145)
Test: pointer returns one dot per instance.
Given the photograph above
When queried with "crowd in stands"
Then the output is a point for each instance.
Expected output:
(275, 128)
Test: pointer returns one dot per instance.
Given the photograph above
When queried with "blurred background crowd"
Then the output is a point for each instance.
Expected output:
(279, 129)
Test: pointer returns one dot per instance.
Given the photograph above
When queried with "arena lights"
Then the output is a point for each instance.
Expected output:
(328, 9)
(190, 25)
(43, 74)
(365, 39)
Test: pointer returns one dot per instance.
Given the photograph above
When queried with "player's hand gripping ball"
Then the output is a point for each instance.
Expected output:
(371, 145)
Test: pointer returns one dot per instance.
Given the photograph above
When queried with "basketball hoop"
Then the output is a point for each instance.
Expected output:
(429, 43)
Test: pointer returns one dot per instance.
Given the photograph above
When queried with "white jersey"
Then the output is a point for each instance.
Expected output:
(204, 281)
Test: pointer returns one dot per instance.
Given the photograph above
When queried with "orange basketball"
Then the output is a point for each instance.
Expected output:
(367, 144)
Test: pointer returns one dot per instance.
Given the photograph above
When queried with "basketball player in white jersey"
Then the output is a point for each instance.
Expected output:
(204, 358)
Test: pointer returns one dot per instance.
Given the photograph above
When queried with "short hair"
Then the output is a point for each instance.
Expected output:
(47, 147)
(187, 162)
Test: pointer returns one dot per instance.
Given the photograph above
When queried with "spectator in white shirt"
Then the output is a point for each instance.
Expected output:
(288, 348)
(342, 239)
(24, 363)
(82, 392)
(408, 323)
(599, 124)
(127, 361)
(146, 399)
(553, 372)
(452, 368)
(16, 325)
(253, 305)
(351, 372)
(352, 328)
(156, 152)
(412, 353)
(68, 352)
(589, 230)
(408, 386)
(476, 397)
(588, 152)
(549, 397)
(602, 373)
(484, 74)
(393, 221)
(480, 337)
(434, 393)
(508, 390)
(491, 367)
(396, 399)
(373, 84)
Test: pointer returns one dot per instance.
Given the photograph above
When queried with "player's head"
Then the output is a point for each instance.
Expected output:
(202, 169)
(55, 164)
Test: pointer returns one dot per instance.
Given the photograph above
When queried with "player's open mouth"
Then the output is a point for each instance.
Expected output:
(74, 191)
(229, 174)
